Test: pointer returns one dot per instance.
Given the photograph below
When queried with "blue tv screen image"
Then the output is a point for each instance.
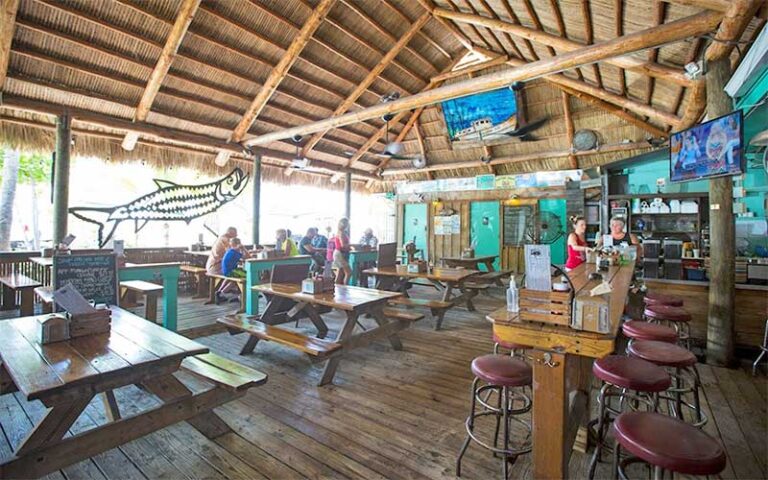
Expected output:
(710, 149)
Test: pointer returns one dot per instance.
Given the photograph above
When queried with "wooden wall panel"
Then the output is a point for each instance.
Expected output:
(448, 245)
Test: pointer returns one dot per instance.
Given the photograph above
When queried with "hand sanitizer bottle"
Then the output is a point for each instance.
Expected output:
(513, 304)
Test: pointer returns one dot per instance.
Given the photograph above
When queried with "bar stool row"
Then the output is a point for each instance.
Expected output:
(655, 369)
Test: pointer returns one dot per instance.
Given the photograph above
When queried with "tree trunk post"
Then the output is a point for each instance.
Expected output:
(722, 251)
(7, 195)
(61, 177)
(256, 198)
(348, 195)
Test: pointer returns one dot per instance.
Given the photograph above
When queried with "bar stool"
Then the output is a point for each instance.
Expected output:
(763, 349)
(639, 330)
(634, 382)
(685, 375)
(666, 444)
(501, 374)
(654, 298)
(515, 349)
(676, 317)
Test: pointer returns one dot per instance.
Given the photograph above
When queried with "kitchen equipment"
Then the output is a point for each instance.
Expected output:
(673, 269)
(651, 268)
(673, 249)
(652, 248)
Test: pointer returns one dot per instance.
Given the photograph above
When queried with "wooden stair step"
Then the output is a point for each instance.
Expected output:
(251, 325)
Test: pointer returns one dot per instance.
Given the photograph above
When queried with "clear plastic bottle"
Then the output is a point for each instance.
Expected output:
(513, 303)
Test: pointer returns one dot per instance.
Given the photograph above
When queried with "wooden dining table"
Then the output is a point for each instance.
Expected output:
(447, 280)
(471, 262)
(352, 301)
(65, 376)
(562, 360)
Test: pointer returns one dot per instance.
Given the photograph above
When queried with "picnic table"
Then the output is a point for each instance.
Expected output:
(562, 371)
(286, 302)
(490, 274)
(65, 376)
(358, 258)
(255, 267)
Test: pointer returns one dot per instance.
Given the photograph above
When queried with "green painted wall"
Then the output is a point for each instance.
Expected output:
(485, 229)
(557, 206)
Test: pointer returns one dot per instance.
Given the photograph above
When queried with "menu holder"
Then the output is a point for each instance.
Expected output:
(84, 319)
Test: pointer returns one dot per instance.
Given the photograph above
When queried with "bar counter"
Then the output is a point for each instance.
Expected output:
(562, 371)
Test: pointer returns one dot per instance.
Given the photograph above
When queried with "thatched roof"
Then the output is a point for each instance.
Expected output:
(96, 58)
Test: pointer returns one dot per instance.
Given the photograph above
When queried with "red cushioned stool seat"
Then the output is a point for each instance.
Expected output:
(655, 298)
(669, 443)
(632, 373)
(639, 330)
(662, 353)
(664, 312)
(509, 345)
(502, 370)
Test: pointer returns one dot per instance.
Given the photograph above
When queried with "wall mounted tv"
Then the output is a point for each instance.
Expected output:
(710, 149)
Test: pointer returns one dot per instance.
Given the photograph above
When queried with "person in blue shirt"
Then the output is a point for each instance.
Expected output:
(230, 268)
(307, 246)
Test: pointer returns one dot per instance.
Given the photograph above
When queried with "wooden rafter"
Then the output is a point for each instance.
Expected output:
(569, 131)
(420, 140)
(372, 75)
(561, 27)
(474, 11)
(736, 20)
(489, 10)
(474, 29)
(7, 27)
(383, 130)
(280, 70)
(618, 9)
(716, 5)
(589, 37)
(565, 45)
(692, 55)
(514, 18)
(668, 33)
(422, 34)
(660, 10)
(537, 23)
(429, 6)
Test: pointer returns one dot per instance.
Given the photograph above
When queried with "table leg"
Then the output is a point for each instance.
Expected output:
(213, 284)
(53, 426)
(9, 298)
(170, 299)
(447, 291)
(168, 388)
(333, 363)
(381, 320)
(202, 287)
(27, 307)
(317, 321)
(150, 308)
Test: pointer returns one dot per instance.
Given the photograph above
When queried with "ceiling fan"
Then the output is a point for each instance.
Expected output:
(394, 150)
(298, 162)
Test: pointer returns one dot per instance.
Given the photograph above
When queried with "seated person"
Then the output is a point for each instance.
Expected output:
(306, 247)
(213, 265)
(229, 266)
(320, 241)
(368, 239)
(284, 245)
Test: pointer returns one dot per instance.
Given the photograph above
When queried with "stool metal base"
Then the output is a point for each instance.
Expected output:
(764, 350)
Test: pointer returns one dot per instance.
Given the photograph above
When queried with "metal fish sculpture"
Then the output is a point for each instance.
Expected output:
(168, 203)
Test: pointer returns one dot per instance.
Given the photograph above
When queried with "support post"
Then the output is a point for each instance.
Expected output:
(348, 195)
(256, 198)
(61, 177)
(722, 272)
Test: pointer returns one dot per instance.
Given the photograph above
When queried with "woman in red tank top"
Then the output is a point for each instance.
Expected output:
(577, 243)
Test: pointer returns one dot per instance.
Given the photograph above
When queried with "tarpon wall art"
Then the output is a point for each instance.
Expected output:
(170, 202)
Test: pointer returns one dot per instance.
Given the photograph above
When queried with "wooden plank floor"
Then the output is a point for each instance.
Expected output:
(389, 414)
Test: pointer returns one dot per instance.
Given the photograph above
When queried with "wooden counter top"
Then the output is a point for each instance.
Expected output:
(565, 339)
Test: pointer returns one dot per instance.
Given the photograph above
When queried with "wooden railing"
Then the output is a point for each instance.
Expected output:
(19, 262)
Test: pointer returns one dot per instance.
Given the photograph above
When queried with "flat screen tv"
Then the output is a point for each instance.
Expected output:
(710, 149)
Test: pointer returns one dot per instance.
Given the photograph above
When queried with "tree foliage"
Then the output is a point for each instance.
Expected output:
(33, 167)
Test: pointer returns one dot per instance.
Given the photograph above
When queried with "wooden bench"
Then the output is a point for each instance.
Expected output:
(215, 282)
(223, 372)
(397, 314)
(198, 273)
(45, 294)
(239, 323)
(151, 291)
(25, 286)
(436, 307)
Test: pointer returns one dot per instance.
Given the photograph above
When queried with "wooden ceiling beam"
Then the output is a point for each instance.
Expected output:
(527, 157)
(569, 131)
(429, 6)
(172, 43)
(660, 10)
(653, 37)
(279, 72)
(716, 5)
(164, 133)
(565, 45)
(555, 7)
(616, 111)
(737, 18)
(516, 20)
(372, 75)
(490, 32)
(618, 22)
(7, 27)
(537, 23)
(490, 11)
(589, 38)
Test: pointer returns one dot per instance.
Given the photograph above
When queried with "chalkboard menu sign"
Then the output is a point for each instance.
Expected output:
(94, 275)
(515, 223)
